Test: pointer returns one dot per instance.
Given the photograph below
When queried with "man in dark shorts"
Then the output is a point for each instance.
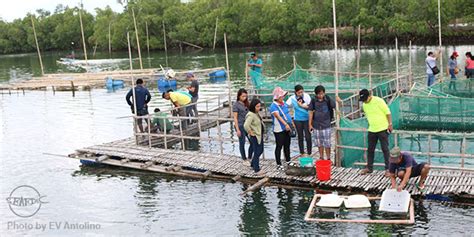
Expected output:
(403, 165)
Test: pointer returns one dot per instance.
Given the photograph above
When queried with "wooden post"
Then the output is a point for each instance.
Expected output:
(219, 131)
(181, 129)
(463, 149)
(110, 43)
(215, 35)
(138, 41)
(37, 45)
(229, 85)
(429, 149)
(164, 39)
(410, 76)
(73, 89)
(147, 39)
(165, 131)
(82, 33)
(440, 44)
(133, 89)
(370, 78)
(336, 82)
(95, 49)
(358, 58)
(396, 62)
(149, 130)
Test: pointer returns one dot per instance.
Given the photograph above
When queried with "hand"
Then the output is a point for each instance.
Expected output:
(251, 134)
(393, 186)
(311, 129)
(239, 134)
(390, 128)
(338, 99)
(399, 188)
(287, 127)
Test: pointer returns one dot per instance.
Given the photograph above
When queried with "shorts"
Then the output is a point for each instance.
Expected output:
(323, 137)
(415, 171)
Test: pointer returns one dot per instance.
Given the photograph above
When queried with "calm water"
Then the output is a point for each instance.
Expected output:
(128, 202)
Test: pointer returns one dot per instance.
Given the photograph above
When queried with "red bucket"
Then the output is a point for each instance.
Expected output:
(323, 170)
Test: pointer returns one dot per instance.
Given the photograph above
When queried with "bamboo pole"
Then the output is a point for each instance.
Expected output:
(147, 39)
(229, 85)
(410, 73)
(440, 43)
(336, 79)
(164, 40)
(396, 62)
(37, 45)
(138, 41)
(82, 33)
(110, 43)
(358, 58)
(133, 88)
(215, 35)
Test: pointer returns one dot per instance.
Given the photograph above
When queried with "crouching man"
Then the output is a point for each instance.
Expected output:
(404, 166)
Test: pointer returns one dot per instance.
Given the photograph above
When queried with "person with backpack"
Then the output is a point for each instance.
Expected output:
(180, 100)
(431, 69)
(321, 113)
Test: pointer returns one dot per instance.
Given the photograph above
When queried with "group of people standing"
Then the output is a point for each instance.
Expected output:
(310, 115)
(452, 69)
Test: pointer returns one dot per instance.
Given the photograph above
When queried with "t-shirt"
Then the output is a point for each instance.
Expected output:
(376, 111)
(452, 63)
(300, 113)
(142, 94)
(469, 63)
(255, 68)
(407, 162)
(321, 112)
(241, 110)
(160, 118)
(180, 97)
(283, 111)
(431, 61)
(195, 85)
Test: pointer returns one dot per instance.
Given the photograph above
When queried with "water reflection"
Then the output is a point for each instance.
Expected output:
(255, 218)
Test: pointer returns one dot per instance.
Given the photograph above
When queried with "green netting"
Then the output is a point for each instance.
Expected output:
(419, 112)
(309, 80)
(459, 88)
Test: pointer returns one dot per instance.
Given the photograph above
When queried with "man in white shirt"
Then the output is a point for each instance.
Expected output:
(431, 68)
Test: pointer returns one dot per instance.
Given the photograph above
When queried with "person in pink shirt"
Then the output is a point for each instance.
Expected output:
(469, 65)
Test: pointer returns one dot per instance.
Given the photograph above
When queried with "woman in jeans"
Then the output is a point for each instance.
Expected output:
(253, 125)
(281, 120)
(240, 109)
(300, 103)
(452, 67)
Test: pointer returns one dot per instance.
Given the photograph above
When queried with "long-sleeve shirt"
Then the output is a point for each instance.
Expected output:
(253, 123)
(142, 94)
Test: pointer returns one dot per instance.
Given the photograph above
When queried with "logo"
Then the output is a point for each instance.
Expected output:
(25, 201)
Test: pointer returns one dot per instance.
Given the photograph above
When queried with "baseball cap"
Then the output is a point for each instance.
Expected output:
(189, 75)
(395, 154)
(363, 95)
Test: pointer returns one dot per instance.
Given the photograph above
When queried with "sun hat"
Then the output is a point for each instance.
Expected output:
(278, 92)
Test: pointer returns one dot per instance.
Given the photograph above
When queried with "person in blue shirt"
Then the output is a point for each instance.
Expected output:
(255, 63)
(404, 166)
(142, 98)
(282, 125)
(300, 102)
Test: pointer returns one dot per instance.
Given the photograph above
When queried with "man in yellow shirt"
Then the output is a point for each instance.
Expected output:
(380, 126)
(180, 100)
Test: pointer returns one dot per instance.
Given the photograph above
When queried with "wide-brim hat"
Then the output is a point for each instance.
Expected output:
(278, 92)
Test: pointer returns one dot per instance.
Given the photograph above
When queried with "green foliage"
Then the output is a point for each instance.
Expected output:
(246, 22)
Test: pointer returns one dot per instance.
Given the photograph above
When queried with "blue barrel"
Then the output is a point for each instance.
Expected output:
(218, 76)
(111, 83)
(165, 84)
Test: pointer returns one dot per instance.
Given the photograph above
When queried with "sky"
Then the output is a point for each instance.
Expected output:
(13, 9)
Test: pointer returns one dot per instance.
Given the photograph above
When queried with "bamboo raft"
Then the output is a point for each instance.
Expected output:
(231, 168)
(89, 80)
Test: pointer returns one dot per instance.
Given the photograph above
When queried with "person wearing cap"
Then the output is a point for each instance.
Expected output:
(300, 103)
(180, 99)
(404, 166)
(193, 89)
(453, 69)
(380, 126)
(255, 63)
(282, 125)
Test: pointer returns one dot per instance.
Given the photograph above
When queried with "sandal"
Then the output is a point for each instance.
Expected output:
(422, 190)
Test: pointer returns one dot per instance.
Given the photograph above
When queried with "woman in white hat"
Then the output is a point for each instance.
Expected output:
(282, 125)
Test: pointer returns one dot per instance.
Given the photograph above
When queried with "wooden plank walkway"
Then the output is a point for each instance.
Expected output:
(207, 165)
